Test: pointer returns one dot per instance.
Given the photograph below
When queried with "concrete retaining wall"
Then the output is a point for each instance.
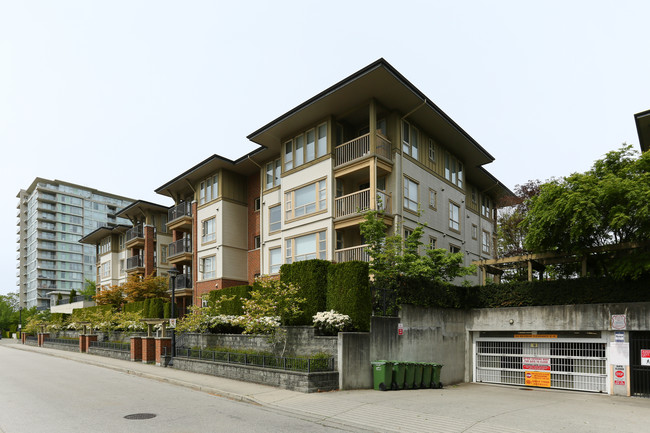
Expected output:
(353, 360)
(292, 380)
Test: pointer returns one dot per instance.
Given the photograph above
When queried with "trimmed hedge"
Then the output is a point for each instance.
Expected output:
(311, 277)
(234, 306)
(348, 292)
(156, 308)
(75, 313)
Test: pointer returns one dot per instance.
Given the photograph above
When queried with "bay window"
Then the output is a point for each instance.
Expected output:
(307, 247)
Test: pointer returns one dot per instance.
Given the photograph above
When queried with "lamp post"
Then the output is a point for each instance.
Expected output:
(20, 322)
(172, 280)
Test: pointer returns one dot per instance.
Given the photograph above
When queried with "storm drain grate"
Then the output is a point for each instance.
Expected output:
(140, 416)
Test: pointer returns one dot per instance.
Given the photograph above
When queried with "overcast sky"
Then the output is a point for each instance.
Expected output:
(123, 96)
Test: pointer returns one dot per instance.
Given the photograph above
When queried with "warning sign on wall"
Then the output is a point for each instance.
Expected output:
(538, 378)
(645, 357)
(619, 375)
(536, 364)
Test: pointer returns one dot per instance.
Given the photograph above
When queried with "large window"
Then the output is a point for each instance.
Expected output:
(454, 216)
(410, 194)
(209, 189)
(305, 147)
(208, 230)
(273, 174)
(409, 139)
(486, 207)
(433, 199)
(106, 269)
(311, 246)
(307, 200)
(275, 260)
(453, 170)
(432, 151)
(208, 267)
(275, 216)
(485, 244)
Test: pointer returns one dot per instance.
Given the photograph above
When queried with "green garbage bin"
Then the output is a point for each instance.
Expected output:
(417, 382)
(427, 369)
(435, 377)
(399, 371)
(409, 377)
(382, 373)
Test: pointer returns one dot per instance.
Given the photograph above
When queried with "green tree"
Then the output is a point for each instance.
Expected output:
(73, 294)
(150, 287)
(90, 289)
(8, 311)
(609, 204)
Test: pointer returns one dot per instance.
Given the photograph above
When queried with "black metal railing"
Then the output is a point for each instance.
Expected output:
(134, 232)
(66, 300)
(269, 361)
(183, 281)
(67, 341)
(113, 345)
(31, 338)
(181, 246)
(134, 262)
(178, 211)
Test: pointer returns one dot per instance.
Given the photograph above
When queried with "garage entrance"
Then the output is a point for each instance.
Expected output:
(640, 364)
(549, 359)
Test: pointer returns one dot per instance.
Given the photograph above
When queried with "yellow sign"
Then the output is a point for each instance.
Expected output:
(535, 335)
(538, 378)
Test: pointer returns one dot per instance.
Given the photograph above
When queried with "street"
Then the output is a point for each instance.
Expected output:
(48, 394)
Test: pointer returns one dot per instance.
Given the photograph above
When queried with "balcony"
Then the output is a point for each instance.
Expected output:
(356, 203)
(135, 237)
(180, 251)
(353, 253)
(135, 264)
(179, 217)
(359, 148)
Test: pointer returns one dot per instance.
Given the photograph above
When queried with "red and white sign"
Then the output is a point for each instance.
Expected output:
(619, 375)
(400, 329)
(536, 364)
(645, 357)
(619, 322)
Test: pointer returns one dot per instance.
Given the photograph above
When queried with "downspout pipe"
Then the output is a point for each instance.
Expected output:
(261, 214)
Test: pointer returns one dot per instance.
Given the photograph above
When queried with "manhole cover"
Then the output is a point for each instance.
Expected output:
(140, 416)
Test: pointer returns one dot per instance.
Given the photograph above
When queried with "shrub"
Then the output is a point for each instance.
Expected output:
(331, 322)
(348, 292)
(310, 276)
(228, 301)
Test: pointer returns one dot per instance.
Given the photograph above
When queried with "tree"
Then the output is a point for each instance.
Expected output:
(137, 289)
(114, 295)
(73, 294)
(512, 211)
(8, 311)
(607, 205)
(90, 289)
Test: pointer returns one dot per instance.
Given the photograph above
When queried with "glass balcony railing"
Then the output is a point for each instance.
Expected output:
(181, 246)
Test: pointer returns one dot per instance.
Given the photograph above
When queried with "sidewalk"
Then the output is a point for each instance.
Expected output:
(474, 408)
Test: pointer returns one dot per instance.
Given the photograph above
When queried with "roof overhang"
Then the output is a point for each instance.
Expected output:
(139, 208)
(642, 121)
(94, 237)
(382, 82)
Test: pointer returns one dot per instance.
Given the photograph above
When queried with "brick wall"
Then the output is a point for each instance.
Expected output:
(149, 248)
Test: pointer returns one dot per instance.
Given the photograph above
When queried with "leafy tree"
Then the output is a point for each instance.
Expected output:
(609, 204)
(512, 211)
(150, 287)
(90, 289)
(73, 294)
(8, 311)
(114, 295)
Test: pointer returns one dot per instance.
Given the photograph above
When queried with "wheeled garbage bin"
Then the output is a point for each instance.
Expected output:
(409, 377)
(382, 373)
(399, 371)
(435, 377)
(417, 381)
(427, 369)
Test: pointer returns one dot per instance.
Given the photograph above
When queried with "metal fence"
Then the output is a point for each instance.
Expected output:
(113, 345)
(68, 341)
(268, 361)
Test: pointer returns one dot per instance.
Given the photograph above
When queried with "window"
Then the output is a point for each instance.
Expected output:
(273, 174)
(208, 233)
(209, 189)
(204, 302)
(256, 242)
(433, 199)
(407, 232)
(306, 200)
(311, 246)
(275, 216)
(275, 260)
(256, 204)
(105, 245)
(106, 269)
(474, 196)
(486, 206)
(454, 216)
(208, 267)
(409, 139)
(305, 147)
(485, 243)
(433, 243)
(454, 249)
(432, 151)
(410, 195)
(453, 170)
(474, 231)
(122, 267)
(121, 241)
(163, 253)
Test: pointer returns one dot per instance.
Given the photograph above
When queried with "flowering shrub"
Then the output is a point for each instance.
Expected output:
(331, 322)
(200, 319)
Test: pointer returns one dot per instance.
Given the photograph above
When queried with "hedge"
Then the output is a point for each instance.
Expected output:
(348, 292)
(311, 277)
(76, 312)
(156, 308)
(234, 306)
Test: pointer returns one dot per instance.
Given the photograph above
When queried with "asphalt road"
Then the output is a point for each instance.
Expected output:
(47, 394)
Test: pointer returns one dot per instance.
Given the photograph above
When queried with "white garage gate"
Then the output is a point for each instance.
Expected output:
(562, 360)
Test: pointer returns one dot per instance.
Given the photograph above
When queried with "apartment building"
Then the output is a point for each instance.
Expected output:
(52, 216)
(371, 141)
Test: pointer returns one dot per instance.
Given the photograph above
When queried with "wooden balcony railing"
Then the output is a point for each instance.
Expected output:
(352, 253)
(360, 147)
(359, 201)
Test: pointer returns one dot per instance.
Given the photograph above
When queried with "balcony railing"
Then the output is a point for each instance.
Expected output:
(352, 253)
(359, 201)
(360, 147)
(178, 211)
(183, 281)
(134, 262)
(134, 232)
(181, 246)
